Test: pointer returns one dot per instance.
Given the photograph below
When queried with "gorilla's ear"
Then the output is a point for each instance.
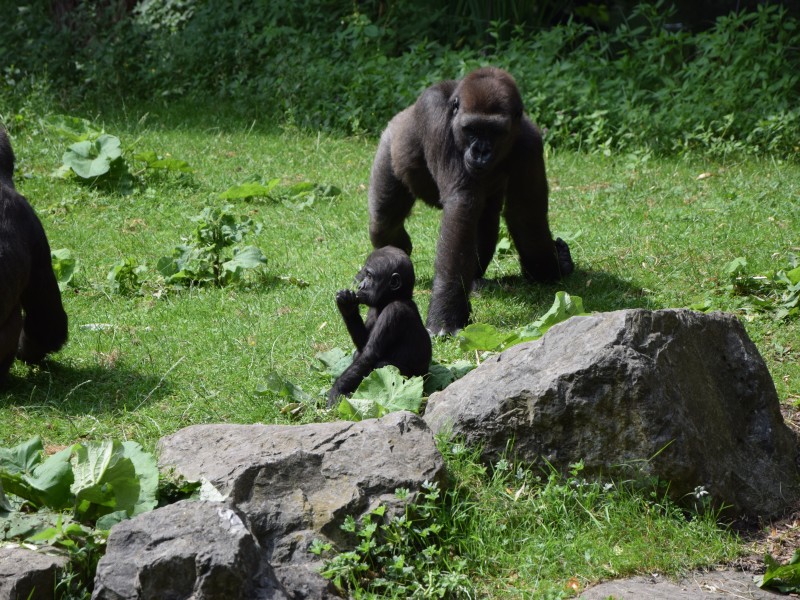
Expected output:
(395, 282)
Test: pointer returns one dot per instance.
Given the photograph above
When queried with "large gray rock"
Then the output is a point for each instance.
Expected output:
(28, 575)
(682, 395)
(712, 585)
(293, 484)
(198, 550)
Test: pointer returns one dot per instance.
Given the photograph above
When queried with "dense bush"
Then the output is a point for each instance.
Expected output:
(323, 64)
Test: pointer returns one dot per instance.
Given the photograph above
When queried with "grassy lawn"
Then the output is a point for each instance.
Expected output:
(644, 232)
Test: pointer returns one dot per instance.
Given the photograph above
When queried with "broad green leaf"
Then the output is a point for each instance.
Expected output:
(171, 164)
(303, 187)
(22, 458)
(318, 190)
(483, 337)
(23, 474)
(249, 257)
(357, 409)
(167, 266)
(440, 376)
(147, 156)
(18, 525)
(53, 479)
(564, 306)
(480, 336)
(168, 164)
(5, 505)
(123, 277)
(383, 391)
(105, 479)
(93, 158)
(251, 189)
(503, 246)
(784, 578)
(107, 521)
(735, 268)
(74, 129)
(794, 276)
(147, 475)
(275, 384)
(333, 362)
(64, 266)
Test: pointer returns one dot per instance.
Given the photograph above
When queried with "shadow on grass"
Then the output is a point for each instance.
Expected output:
(600, 291)
(80, 390)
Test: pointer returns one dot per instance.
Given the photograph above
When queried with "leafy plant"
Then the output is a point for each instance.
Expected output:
(168, 163)
(98, 157)
(784, 578)
(124, 277)
(64, 266)
(203, 260)
(442, 375)
(100, 482)
(75, 129)
(614, 85)
(70, 499)
(399, 557)
(92, 158)
(298, 196)
(295, 399)
(250, 189)
(383, 391)
(483, 337)
(333, 362)
(775, 291)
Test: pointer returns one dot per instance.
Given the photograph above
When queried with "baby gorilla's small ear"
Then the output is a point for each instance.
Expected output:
(395, 282)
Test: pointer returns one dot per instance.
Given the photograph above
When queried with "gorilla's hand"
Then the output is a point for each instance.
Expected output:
(334, 395)
(347, 302)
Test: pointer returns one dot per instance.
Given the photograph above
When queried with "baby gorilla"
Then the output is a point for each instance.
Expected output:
(393, 333)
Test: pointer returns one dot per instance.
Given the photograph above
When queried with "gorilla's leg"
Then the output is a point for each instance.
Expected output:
(455, 267)
(390, 203)
(540, 257)
(45, 326)
(9, 339)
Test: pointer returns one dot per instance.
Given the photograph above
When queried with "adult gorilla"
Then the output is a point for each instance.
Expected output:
(466, 147)
(27, 282)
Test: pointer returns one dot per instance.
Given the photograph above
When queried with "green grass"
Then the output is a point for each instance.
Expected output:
(644, 232)
(539, 535)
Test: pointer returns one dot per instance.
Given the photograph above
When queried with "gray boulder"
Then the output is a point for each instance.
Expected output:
(681, 395)
(279, 487)
(199, 550)
(27, 574)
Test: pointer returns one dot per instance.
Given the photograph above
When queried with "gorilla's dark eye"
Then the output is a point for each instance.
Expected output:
(454, 105)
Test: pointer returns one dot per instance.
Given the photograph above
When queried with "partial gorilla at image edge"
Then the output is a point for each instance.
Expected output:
(32, 318)
(393, 333)
(466, 147)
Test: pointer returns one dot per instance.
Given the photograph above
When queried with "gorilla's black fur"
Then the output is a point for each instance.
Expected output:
(466, 147)
(393, 333)
(32, 318)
